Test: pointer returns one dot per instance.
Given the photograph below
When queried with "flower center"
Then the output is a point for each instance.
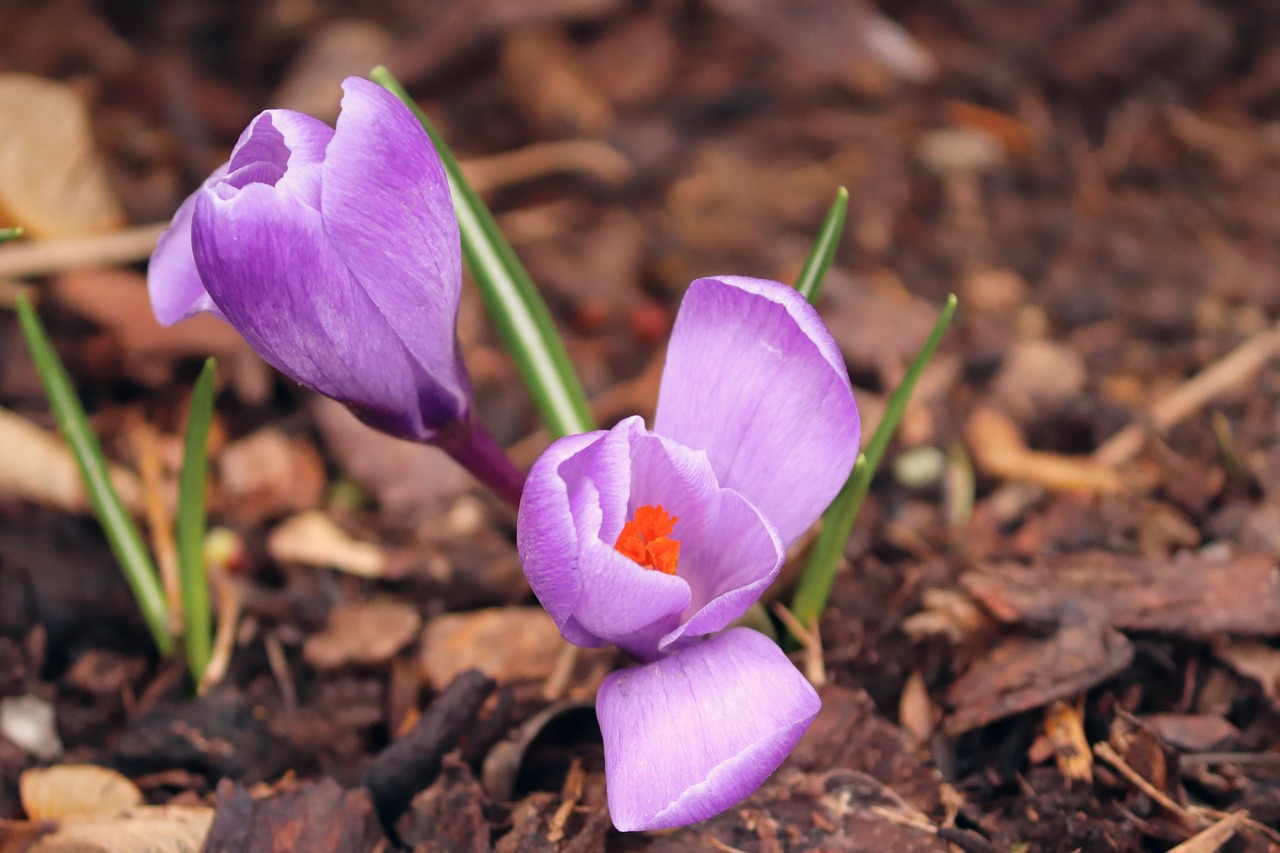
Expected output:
(646, 539)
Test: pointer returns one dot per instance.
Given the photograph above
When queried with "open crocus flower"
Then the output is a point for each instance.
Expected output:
(336, 254)
(654, 539)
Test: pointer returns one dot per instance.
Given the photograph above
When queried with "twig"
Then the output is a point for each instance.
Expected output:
(1105, 753)
(44, 257)
(1213, 837)
(558, 681)
(412, 762)
(815, 668)
(1229, 371)
(145, 442)
(590, 156)
(224, 639)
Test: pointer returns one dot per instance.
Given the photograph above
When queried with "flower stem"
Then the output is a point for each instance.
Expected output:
(472, 447)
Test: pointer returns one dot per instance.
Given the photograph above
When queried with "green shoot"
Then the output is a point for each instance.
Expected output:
(193, 579)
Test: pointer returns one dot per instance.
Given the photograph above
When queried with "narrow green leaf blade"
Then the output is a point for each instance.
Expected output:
(809, 282)
(192, 575)
(122, 534)
(815, 584)
(517, 309)
(10, 234)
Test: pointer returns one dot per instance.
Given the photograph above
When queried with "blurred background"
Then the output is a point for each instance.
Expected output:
(1074, 520)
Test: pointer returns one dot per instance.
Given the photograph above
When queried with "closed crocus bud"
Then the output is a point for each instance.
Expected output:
(655, 539)
(336, 254)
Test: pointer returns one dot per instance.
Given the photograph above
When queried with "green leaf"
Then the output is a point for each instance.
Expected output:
(815, 584)
(192, 576)
(122, 534)
(517, 309)
(10, 234)
(809, 282)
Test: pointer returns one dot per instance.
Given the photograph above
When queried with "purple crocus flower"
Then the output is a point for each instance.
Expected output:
(336, 254)
(654, 539)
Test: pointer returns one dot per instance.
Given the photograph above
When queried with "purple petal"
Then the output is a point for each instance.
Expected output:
(754, 378)
(688, 736)
(265, 261)
(172, 279)
(389, 213)
(283, 148)
(547, 537)
(728, 569)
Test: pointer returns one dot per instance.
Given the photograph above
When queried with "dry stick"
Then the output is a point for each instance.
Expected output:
(1213, 837)
(1105, 753)
(43, 257)
(144, 440)
(561, 671)
(588, 156)
(1230, 370)
(815, 668)
(225, 637)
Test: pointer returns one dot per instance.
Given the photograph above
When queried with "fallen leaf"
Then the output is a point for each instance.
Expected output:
(1254, 660)
(268, 473)
(51, 793)
(506, 643)
(313, 539)
(334, 51)
(1193, 732)
(37, 466)
(52, 182)
(1064, 726)
(145, 829)
(367, 633)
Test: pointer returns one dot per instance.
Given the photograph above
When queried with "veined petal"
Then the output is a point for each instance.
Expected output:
(729, 568)
(293, 144)
(547, 536)
(690, 735)
(754, 378)
(389, 213)
(172, 279)
(264, 260)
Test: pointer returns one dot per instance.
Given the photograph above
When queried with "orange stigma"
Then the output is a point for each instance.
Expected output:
(645, 539)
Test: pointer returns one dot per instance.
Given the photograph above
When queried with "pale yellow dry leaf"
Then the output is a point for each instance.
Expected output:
(999, 450)
(505, 643)
(52, 793)
(37, 466)
(312, 538)
(145, 829)
(52, 181)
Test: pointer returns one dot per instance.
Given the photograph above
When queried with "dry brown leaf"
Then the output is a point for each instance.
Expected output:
(268, 472)
(916, 711)
(313, 539)
(334, 51)
(52, 182)
(52, 793)
(37, 466)
(369, 633)
(118, 301)
(145, 829)
(550, 86)
(505, 643)
(999, 450)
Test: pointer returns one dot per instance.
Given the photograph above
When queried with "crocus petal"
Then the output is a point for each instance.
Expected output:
(172, 279)
(293, 144)
(264, 260)
(754, 378)
(690, 735)
(729, 568)
(388, 211)
(547, 537)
